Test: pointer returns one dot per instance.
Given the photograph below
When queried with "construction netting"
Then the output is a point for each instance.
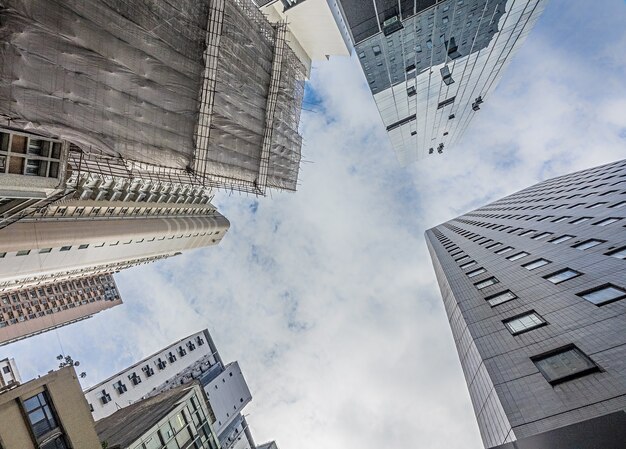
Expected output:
(206, 86)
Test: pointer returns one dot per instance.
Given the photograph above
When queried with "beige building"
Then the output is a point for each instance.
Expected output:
(9, 375)
(48, 412)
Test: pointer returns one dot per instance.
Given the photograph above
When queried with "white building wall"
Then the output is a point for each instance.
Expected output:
(135, 392)
(228, 394)
(8, 372)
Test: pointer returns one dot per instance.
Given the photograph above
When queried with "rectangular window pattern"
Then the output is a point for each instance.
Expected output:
(541, 236)
(476, 272)
(486, 283)
(607, 221)
(471, 263)
(580, 220)
(564, 364)
(524, 323)
(518, 256)
(40, 414)
(604, 294)
(536, 264)
(561, 239)
(504, 250)
(500, 298)
(562, 276)
(618, 253)
(588, 244)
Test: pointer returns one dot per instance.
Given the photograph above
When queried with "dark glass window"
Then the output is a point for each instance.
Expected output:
(564, 364)
(40, 415)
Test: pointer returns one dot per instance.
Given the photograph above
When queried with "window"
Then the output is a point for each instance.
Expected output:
(562, 276)
(524, 323)
(536, 264)
(66, 248)
(40, 415)
(506, 249)
(604, 294)
(468, 264)
(500, 298)
(564, 364)
(525, 233)
(542, 235)
(618, 253)
(580, 220)
(23, 252)
(560, 219)
(607, 221)
(518, 255)
(618, 205)
(85, 246)
(486, 283)
(588, 244)
(561, 239)
(593, 206)
(45, 250)
(476, 272)
(461, 258)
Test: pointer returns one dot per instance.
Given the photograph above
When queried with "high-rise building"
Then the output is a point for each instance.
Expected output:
(193, 358)
(30, 311)
(430, 65)
(9, 375)
(178, 418)
(534, 286)
(49, 412)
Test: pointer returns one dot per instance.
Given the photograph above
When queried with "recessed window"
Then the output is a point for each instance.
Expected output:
(607, 221)
(504, 250)
(525, 233)
(84, 246)
(564, 364)
(468, 264)
(23, 252)
(66, 248)
(536, 264)
(593, 206)
(618, 253)
(524, 323)
(604, 294)
(543, 235)
(619, 205)
(500, 298)
(518, 255)
(39, 411)
(461, 258)
(486, 283)
(562, 276)
(561, 239)
(588, 244)
(476, 272)
(45, 250)
(580, 220)
(493, 245)
(560, 219)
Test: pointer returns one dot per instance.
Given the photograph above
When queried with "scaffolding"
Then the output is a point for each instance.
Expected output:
(205, 90)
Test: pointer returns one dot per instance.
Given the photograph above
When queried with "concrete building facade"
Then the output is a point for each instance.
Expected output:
(9, 375)
(47, 412)
(534, 286)
(430, 65)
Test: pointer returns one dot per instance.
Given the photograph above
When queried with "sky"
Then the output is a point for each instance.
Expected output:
(327, 297)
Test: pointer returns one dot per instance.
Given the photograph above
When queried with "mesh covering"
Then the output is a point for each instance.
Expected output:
(182, 84)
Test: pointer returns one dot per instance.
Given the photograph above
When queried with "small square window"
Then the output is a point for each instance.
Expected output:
(542, 235)
(476, 272)
(562, 276)
(619, 253)
(536, 264)
(524, 323)
(66, 248)
(493, 245)
(607, 221)
(561, 239)
(506, 249)
(500, 298)
(486, 283)
(588, 244)
(468, 264)
(518, 255)
(84, 246)
(604, 294)
(564, 364)
(23, 252)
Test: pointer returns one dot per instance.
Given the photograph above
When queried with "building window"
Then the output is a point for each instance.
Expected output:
(471, 263)
(66, 248)
(486, 283)
(562, 276)
(84, 246)
(493, 245)
(120, 387)
(619, 205)
(504, 250)
(524, 323)
(500, 298)
(476, 272)
(607, 221)
(580, 220)
(45, 250)
(561, 239)
(593, 206)
(518, 256)
(23, 252)
(604, 294)
(105, 397)
(588, 244)
(40, 414)
(560, 219)
(135, 379)
(564, 364)
(536, 264)
(543, 235)
(618, 253)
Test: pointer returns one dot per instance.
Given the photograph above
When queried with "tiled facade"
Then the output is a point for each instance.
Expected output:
(567, 239)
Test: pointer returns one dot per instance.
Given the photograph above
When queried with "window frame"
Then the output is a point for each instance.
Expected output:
(542, 323)
(548, 262)
(558, 380)
(600, 288)
(548, 276)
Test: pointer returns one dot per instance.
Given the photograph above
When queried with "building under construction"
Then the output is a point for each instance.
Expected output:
(207, 91)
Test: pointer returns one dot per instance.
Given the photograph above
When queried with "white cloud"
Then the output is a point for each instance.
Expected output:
(327, 297)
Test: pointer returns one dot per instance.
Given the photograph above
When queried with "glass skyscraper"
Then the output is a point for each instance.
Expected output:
(431, 65)
(534, 286)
